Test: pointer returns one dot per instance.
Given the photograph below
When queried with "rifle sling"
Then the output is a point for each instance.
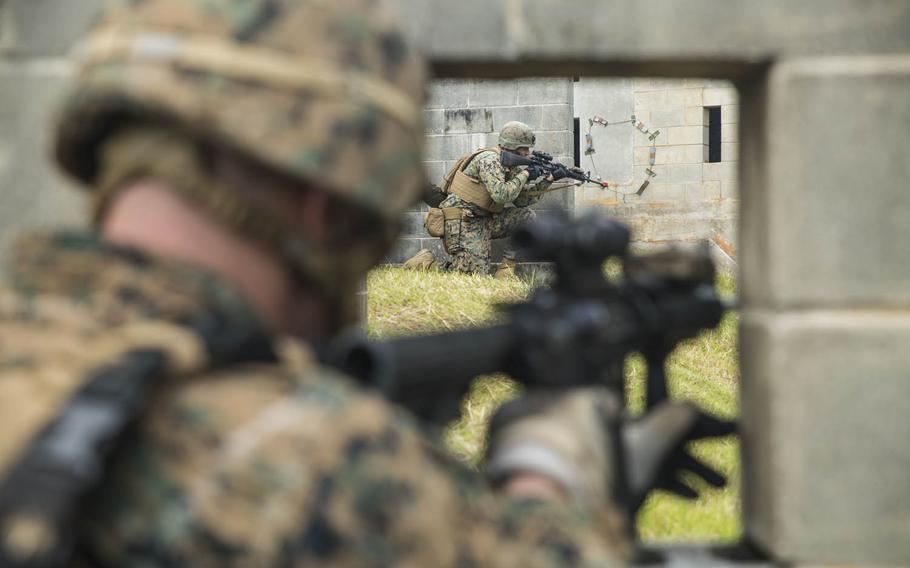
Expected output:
(42, 491)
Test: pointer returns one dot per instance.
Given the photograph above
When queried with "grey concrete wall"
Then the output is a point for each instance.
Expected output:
(826, 278)
(465, 115)
(35, 36)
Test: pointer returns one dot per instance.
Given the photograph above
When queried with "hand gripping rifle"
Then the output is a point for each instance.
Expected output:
(545, 162)
(576, 332)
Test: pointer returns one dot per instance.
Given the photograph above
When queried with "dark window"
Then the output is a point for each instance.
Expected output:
(577, 143)
(713, 134)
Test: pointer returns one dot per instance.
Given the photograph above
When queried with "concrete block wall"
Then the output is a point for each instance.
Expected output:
(689, 199)
(826, 279)
(33, 69)
(465, 115)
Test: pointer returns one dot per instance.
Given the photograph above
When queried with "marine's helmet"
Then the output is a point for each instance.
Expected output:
(327, 93)
(515, 135)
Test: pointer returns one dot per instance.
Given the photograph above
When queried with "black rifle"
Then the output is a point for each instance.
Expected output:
(576, 332)
(546, 163)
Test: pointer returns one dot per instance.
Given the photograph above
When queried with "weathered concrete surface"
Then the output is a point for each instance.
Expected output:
(32, 195)
(680, 38)
(826, 210)
(613, 100)
(825, 431)
(45, 27)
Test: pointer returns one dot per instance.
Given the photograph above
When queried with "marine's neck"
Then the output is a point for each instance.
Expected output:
(149, 216)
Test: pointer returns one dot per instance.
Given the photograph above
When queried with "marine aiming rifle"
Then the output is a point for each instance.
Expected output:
(575, 332)
(545, 162)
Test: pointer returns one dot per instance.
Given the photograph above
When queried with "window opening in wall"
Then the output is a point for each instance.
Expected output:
(712, 134)
(577, 139)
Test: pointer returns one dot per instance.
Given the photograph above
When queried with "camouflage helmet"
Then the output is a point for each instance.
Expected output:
(515, 135)
(326, 92)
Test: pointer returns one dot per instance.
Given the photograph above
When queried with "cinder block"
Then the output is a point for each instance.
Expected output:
(434, 121)
(682, 98)
(703, 191)
(649, 100)
(490, 140)
(544, 91)
(659, 192)
(688, 154)
(686, 135)
(556, 143)
(825, 199)
(668, 83)
(720, 97)
(29, 31)
(452, 147)
(686, 173)
(487, 93)
(449, 93)
(434, 171)
(412, 225)
(668, 117)
(825, 420)
(404, 249)
(530, 115)
(468, 120)
(557, 117)
(720, 171)
(695, 116)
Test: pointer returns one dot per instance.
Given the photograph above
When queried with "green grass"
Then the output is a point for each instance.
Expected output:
(703, 370)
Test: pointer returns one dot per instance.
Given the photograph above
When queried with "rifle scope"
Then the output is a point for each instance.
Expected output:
(595, 238)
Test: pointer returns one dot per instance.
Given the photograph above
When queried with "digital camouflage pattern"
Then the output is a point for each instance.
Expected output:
(265, 464)
(328, 92)
(469, 240)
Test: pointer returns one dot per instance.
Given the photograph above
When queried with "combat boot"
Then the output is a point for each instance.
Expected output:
(423, 260)
(506, 269)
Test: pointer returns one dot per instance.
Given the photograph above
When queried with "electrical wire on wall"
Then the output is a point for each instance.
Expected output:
(638, 125)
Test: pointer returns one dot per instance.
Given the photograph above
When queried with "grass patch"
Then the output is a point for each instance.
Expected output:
(704, 370)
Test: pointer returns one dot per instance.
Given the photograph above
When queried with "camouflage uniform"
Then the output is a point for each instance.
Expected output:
(259, 456)
(469, 240)
(273, 463)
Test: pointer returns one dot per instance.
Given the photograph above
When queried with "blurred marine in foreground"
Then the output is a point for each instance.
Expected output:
(248, 162)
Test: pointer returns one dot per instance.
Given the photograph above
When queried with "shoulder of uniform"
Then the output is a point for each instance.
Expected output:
(488, 155)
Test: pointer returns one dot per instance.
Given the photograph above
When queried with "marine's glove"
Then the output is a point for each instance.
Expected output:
(581, 440)
(655, 453)
(534, 172)
(559, 173)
